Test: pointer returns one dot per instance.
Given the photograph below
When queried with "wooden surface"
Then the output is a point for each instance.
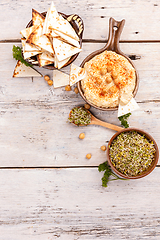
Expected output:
(48, 189)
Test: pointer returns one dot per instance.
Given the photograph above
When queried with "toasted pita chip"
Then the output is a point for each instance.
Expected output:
(64, 50)
(65, 38)
(47, 56)
(37, 18)
(60, 79)
(27, 47)
(62, 25)
(57, 22)
(22, 70)
(51, 15)
(27, 55)
(130, 107)
(76, 74)
(60, 64)
(43, 62)
(27, 31)
(40, 40)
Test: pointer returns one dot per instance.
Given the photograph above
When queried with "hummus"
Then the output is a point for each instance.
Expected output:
(110, 80)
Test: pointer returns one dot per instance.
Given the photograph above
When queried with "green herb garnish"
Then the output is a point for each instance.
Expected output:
(80, 116)
(123, 120)
(107, 173)
(17, 54)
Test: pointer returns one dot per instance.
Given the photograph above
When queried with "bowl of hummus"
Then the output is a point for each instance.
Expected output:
(111, 76)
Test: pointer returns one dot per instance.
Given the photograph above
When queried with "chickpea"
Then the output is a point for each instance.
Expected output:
(103, 71)
(46, 78)
(103, 148)
(87, 106)
(108, 78)
(76, 90)
(88, 156)
(81, 135)
(50, 82)
(68, 88)
(109, 68)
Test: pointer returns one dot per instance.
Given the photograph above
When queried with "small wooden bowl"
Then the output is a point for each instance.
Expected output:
(115, 29)
(147, 171)
(78, 26)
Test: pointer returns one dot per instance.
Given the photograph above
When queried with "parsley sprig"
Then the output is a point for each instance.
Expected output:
(17, 54)
(107, 174)
(123, 120)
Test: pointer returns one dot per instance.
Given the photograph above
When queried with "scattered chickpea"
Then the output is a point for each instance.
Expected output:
(103, 148)
(76, 90)
(46, 78)
(68, 88)
(81, 135)
(88, 156)
(87, 106)
(50, 82)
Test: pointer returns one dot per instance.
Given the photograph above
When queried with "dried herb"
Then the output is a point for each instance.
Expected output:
(17, 54)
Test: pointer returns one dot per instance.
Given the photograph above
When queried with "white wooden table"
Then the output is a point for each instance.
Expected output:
(48, 189)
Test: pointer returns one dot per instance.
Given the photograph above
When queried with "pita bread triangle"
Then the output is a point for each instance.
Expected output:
(64, 50)
(27, 31)
(62, 25)
(40, 40)
(37, 18)
(60, 79)
(76, 74)
(27, 47)
(57, 22)
(52, 14)
(47, 56)
(60, 64)
(129, 107)
(43, 62)
(22, 70)
(65, 38)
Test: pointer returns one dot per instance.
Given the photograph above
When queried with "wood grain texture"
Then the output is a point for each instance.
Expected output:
(33, 116)
(142, 17)
(70, 204)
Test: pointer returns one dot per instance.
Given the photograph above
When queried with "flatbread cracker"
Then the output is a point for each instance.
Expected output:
(22, 70)
(40, 40)
(27, 31)
(37, 18)
(130, 107)
(65, 38)
(27, 47)
(47, 56)
(60, 79)
(76, 74)
(43, 62)
(54, 21)
(27, 55)
(64, 50)
(51, 16)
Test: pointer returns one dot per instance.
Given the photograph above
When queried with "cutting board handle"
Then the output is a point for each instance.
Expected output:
(115, 30)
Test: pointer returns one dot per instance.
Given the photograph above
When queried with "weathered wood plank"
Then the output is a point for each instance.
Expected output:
(33, 121)
(71, 204)
(39, 135)
(23, 89)
(142, 17)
